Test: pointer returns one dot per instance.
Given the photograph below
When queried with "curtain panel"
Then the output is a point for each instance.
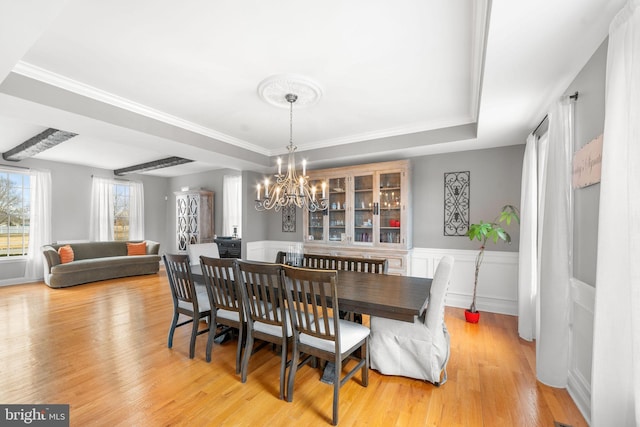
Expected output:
(101, 221)
(615, 383)
(231, 204)
(528, 259)
(552, 349)
(39, 223)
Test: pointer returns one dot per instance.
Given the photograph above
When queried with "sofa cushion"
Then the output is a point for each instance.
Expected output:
(66, 254)
(136, 248)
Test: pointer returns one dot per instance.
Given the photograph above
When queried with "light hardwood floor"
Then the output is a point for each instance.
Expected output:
(102, 348)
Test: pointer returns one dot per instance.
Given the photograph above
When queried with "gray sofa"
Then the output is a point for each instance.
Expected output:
(94, 261)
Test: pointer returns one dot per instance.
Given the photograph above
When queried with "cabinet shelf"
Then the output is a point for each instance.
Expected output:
(370, 197)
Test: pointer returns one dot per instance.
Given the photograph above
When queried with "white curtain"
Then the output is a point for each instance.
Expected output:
(231, 204)
(528, 260)
(39, 223)
(615, 383)
(552, 349)
(136, 211)
(101, 221)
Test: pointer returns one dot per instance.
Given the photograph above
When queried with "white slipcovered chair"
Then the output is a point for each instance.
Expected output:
(209, 250)
(420, 349)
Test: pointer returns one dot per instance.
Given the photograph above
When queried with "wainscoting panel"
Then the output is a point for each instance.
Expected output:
(497, 283)
(582, 306)
(266, 250)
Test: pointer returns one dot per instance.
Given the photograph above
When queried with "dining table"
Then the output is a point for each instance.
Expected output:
(383, 295)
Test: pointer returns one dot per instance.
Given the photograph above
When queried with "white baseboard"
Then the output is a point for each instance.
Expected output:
(17, 281)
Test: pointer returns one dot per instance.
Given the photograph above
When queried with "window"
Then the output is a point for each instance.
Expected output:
(117, 210)
(14, 213)
(121, 210)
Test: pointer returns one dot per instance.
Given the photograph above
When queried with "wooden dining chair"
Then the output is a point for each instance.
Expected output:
(226, 301)
(188, 300)
(318, 330)
(268, 319)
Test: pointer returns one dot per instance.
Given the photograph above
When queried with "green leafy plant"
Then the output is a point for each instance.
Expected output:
(490, 231)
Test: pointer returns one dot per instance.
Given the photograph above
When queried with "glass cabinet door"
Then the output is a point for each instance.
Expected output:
(390, 208)
(363, 209)
(337, 209)
(316, 224)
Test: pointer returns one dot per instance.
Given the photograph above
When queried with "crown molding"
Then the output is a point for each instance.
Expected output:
(37, 73)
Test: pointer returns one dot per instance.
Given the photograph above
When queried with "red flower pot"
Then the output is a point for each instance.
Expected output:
(471, 317)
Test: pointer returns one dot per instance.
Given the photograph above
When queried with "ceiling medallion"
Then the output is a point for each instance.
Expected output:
(275, 88)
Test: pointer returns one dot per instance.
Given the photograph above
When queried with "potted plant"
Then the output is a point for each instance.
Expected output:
(484, 232)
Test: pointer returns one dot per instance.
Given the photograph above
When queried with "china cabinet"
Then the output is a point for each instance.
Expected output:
(194, 218)
(369, 213)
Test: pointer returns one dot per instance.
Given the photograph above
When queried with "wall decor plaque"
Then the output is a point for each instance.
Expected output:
(289, 219)
(456, 203)
(587, 164)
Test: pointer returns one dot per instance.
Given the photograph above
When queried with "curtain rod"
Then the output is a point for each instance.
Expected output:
(573, 97)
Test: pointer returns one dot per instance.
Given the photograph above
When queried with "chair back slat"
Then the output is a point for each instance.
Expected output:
(219, 274)
(314, 294)
(261, 288)
(345, 263)
(180, 280)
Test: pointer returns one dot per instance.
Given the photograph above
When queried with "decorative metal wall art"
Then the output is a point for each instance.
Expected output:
(456, 203)
(289, 218)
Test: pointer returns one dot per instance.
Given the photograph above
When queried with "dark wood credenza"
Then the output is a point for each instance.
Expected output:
(229, 248)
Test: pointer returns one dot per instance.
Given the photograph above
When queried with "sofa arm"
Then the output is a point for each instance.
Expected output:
(51, 257)
(153, 247)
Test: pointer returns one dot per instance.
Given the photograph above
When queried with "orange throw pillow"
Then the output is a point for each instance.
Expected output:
(137, 248)
(66, 254)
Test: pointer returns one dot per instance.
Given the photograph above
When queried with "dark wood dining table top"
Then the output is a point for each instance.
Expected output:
(382, 295)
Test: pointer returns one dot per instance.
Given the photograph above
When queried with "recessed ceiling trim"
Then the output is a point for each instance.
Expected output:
(54, 79)
(384, 133)
(37, 144)
(156, 164)
(481, 18)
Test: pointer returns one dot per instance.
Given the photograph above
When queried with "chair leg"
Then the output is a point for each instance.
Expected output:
(365, 368)
(336, 390)
(292, 373)
(211, 335)
(194, 334)
(283, 367)
(172, 329)
(239, 348)
(247, 354)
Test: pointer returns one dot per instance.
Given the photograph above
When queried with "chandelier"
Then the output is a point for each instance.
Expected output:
(291, 189)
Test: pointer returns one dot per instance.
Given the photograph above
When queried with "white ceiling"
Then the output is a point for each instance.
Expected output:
(140, 81)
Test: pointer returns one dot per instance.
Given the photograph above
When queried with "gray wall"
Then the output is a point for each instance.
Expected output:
(254, 223)
(212, 181)
(495, 176)
(71, 205)
(589, 123)
(495, 181)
